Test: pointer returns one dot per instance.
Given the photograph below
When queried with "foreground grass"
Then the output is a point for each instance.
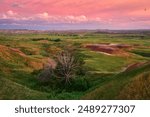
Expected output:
(12, 90)
(118, 86)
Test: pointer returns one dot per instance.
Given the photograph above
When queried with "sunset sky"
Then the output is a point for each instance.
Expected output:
(74, 14)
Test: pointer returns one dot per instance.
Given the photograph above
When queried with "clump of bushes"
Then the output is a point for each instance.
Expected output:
(68, 73)
(45, 75)
(39, 39)
(78, 84)
(56, 40)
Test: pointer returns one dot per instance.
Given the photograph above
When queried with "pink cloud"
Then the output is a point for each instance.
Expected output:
(9, 15)
(115, 12)
(45, 17)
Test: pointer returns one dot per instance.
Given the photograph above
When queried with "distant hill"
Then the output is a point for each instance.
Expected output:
(26, 31)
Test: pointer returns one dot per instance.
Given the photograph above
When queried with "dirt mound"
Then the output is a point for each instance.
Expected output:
(9, 53)
(34, 64)
(120, 46)
(102, 48)
(49, 63)
(135, 65)
(16, 56)
(109, 48)
(43, 41)
(17, 51)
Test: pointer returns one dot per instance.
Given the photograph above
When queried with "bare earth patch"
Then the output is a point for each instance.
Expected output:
(43, 41)
(135, 65)
(110, 48)
(15, 55)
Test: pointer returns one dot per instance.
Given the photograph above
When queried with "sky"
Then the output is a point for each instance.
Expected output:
(74, 14)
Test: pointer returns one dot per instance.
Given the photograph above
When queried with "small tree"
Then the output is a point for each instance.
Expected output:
(67, 65)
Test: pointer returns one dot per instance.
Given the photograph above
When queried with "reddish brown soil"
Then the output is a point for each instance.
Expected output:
(135, 65)
(17, 51)
(112, 49)
(49, 63)
(43, 41)
(13, 54)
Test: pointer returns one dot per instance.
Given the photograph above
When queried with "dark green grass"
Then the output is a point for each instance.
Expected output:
(111, 89)
(142, 52)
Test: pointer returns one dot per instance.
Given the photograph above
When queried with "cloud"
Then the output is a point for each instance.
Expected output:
(65, 19)
(16, 5)
(45, 17)
(116, 13)
(9, 15)
(72, 18)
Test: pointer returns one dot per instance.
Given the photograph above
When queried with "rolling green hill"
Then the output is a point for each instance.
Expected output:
(133, 84)
(22, 57)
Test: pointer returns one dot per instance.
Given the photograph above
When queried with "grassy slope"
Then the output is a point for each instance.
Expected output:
(103, 63)
(12, 90)
(114, 87)
(17, 80)
(10, 62)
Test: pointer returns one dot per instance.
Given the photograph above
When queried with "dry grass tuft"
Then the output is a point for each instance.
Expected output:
(138, 88)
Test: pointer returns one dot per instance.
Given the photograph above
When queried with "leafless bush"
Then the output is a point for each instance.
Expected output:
(66, 66)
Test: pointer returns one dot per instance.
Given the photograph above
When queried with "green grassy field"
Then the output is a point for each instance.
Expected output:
(23, 55)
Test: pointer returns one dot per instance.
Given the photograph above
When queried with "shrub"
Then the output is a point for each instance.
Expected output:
(79, 84)
(68, 73)
(56, 40)
(69, 65)
(45, 75)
